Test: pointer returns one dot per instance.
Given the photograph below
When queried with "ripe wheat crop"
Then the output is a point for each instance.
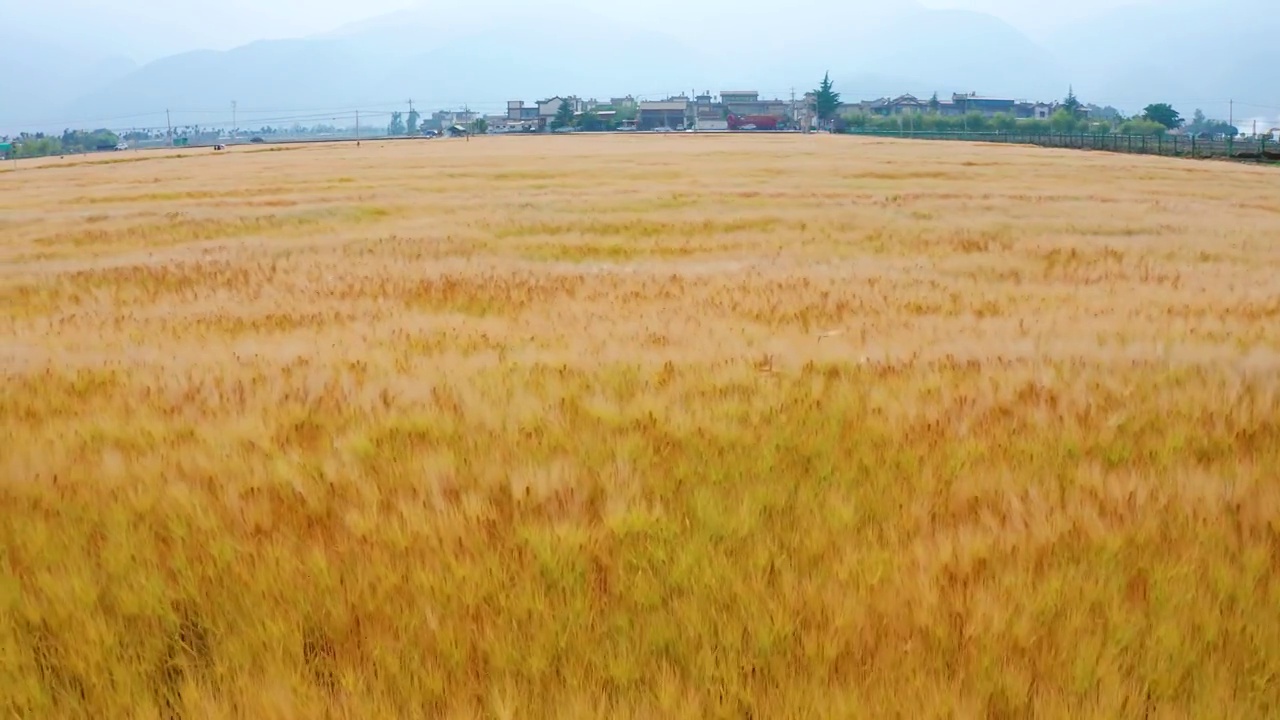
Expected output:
(660, 427)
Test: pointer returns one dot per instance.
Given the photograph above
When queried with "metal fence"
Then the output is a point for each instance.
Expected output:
(1261, 149)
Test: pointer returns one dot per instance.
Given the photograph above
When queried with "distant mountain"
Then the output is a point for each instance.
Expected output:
(956, 50)
(535, 54)
(103, 30)
(40, 77)
(409, 29)
(496, 64)
(1184, 52)
(450, 55)
(200, 86)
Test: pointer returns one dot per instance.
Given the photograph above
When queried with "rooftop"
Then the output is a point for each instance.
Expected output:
(666, 105)
(975, 96)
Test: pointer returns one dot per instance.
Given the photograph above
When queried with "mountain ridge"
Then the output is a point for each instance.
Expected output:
(452, 56)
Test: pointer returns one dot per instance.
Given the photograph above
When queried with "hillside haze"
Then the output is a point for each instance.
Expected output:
(1185, 52)
(126, 69)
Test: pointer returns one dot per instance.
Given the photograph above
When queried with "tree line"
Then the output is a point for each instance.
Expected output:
(591, 120)
(27, 145)
(1071, 117)
(1156, 119)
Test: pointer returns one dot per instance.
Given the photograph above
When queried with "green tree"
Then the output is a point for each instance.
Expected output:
(934, 103)
(1201, 124)
(1105, 114)
(396, 126)
(1004, 122)
(1035, 126)
(1164, 114)
(975, 121)
(857, 121)
(1198, 121)
(564, 116)
(1142, 126)
(826, 101)
(411, 127)
(591, 121)
(479, 126)
(77, 141)
(1063, 121)
(1071, 104)
(38, 146)
(1218, 127)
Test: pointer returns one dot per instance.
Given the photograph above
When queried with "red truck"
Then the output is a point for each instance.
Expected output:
(753, 122)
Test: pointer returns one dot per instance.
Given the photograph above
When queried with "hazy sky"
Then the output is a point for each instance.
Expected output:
(185, 24)
(88, 31)
(1036, 16)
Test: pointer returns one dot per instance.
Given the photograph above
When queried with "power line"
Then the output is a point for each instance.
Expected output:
(68, 122)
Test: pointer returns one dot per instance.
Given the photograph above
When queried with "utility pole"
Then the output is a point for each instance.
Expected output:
(233, 119)
(169, 124)
(357, 128)
(1231, 113)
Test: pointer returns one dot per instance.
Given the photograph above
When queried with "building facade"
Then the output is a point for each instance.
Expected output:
(672, 113)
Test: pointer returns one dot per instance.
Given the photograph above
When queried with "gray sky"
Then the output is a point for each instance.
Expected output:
(184, 24)
(87, 31)
(1034, 16)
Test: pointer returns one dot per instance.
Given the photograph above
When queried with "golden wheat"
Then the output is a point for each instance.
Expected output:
(639, 427)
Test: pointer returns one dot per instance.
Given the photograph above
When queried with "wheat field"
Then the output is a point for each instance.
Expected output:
(639, 427)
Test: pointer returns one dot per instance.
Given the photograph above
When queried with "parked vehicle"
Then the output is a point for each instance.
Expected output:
(753, 122)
